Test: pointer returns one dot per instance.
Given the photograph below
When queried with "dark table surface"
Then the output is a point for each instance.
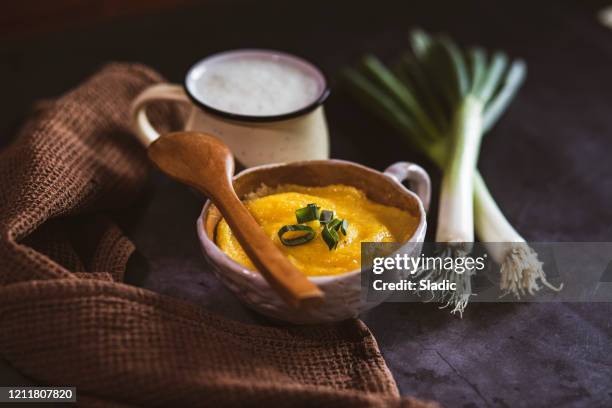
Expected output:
(547, 163)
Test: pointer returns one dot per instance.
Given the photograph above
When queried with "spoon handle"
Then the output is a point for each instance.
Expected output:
(278, 271)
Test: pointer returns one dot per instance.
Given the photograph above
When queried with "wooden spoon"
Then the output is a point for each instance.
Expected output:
(206, 164)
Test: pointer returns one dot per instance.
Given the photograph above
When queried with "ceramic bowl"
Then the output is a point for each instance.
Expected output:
(343, 297)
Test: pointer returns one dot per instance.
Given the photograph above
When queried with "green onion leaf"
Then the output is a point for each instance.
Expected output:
(308, 235)
(334, 224)
(459, 69)
(338, 225)
(494, 73)
(380, 72)
(330, 236)
(308, 213)
(326, 216)
(343, 227)
(509, 87)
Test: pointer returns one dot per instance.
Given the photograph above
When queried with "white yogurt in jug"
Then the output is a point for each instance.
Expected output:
(266, 105)
(256, 84)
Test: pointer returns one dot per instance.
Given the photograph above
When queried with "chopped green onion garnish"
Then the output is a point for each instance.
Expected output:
(312, 212)
(308, 213)
(308, 235)
(335, 224)
(326, 216)
(330, 236)
(343, 227)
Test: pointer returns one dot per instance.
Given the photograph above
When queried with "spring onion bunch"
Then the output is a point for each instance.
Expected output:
(443, 99)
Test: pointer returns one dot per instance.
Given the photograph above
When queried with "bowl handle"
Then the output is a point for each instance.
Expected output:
(416, 176)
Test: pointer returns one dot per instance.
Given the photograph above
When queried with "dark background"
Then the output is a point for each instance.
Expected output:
(548, 163)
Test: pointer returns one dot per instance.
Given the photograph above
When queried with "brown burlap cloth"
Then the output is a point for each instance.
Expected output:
(66, 318)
